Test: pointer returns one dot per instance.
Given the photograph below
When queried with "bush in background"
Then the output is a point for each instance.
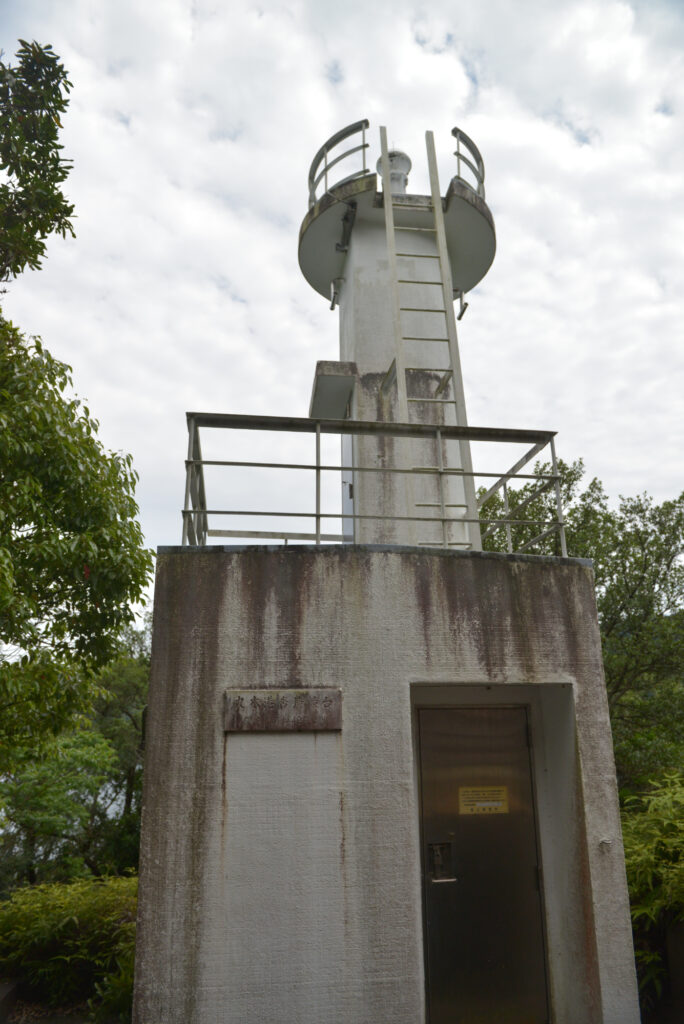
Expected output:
(68, 943)
(653, 832)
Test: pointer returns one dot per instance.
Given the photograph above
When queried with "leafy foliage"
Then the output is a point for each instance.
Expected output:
(120, 708)
(71, 565)
(73, 809)
(653, 833)
(51, 807)
(637, 553)
(71, 554)
(637, 550)
(70, 942)
(33, 97)
(648, 734)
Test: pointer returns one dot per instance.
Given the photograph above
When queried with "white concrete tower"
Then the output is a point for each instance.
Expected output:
(395, 269)
(379, 782)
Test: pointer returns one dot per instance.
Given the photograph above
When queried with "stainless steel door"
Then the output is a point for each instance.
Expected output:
(483, 916)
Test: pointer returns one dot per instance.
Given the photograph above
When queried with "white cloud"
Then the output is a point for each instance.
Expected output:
(192, 126)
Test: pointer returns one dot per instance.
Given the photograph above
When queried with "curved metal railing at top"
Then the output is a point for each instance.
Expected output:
(318, 174)
(467, 156)
(471, 158)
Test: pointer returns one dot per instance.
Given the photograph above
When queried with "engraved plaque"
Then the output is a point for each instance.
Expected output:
(312, 710)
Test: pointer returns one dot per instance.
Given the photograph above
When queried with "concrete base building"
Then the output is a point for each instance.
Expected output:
(379, 780)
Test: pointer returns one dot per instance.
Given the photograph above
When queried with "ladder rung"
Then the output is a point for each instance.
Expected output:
(406, 280)
(420, 309)
(420, 255)
(412, 206)
(411, 337)
(439, 544)
(431, 230)
(434, 401)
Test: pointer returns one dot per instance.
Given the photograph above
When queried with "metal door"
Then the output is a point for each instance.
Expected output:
(483, 916)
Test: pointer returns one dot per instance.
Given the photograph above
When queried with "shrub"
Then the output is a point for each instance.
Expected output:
(653, 831)
(67, 943)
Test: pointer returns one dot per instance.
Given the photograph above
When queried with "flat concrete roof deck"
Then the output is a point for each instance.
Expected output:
(331, 549)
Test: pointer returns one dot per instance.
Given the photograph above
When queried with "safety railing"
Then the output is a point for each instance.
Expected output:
(469, 163)
(467, 154)
(324, 161)
(503, 522)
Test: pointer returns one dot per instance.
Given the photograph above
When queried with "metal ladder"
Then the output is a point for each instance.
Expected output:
(451, 376)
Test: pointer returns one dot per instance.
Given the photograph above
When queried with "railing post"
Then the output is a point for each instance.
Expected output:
(559, 502)
(188, 482)
(363, 143)
(318, 482)
(200, 516)
(509, 539)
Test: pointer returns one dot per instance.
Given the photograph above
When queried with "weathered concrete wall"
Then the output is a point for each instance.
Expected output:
(280, 875)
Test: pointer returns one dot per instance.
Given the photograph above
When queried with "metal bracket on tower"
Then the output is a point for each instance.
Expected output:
(347, 225)
(335, 291)
(462, 305)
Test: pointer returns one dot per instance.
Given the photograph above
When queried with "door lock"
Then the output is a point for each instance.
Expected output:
(440, 862)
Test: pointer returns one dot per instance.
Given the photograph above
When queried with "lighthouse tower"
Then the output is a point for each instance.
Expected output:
(379, 781)
(394, 262)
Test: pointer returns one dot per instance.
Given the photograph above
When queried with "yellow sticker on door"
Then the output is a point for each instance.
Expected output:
(483, 799)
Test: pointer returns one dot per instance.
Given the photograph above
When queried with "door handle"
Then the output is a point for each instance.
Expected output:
(440, 863)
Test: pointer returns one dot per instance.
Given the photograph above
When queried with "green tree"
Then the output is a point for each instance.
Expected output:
(648, 734)
(73, 808)
(71, 554)
(33, 97)
(120, 718)
(653, 832)
(51, 807)
(119, 709)
(637, 550)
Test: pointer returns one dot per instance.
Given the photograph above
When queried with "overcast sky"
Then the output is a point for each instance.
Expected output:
(192, 125)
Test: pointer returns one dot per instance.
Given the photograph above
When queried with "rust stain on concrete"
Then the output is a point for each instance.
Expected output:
(224, 809)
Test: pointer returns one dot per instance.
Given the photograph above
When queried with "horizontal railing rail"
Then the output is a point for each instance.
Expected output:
(322, 164)
(197, 514)
(471, 158)
(467, 156)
